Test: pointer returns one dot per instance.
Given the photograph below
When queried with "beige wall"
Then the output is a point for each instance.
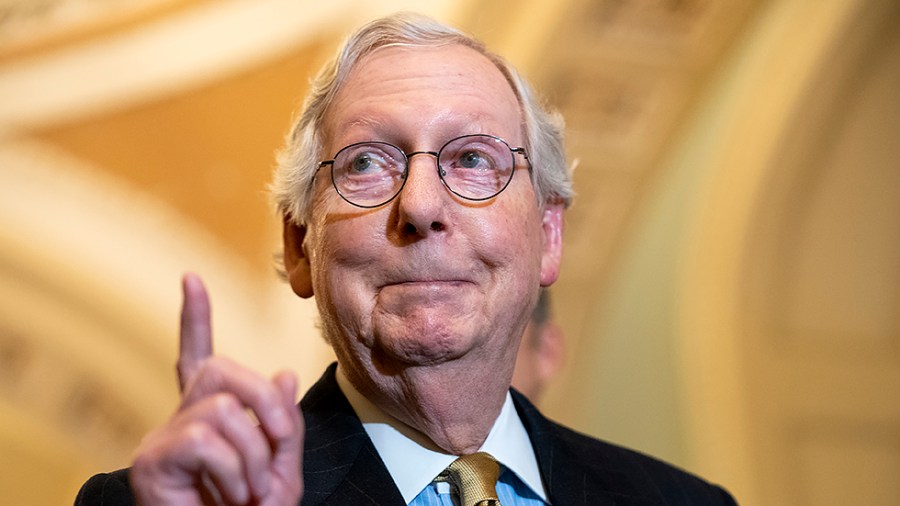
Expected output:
(750, 330)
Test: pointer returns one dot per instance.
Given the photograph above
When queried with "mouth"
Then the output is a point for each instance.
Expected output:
(426, 283)
(430, 275)
(407, 296)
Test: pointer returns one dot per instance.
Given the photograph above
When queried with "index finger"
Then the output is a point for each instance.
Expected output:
(195, 343)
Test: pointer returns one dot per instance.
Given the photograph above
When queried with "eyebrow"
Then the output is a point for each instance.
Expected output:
(363, 122)
(366, 122)
(377, 129)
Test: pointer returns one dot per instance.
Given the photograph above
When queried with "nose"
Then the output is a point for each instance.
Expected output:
(422, 204)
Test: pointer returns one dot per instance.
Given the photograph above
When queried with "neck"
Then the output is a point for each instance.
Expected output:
(454, 411)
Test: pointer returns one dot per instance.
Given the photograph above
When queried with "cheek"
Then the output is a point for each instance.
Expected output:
(345, 249)
(340, 233)
(338, 282)
(518, 233)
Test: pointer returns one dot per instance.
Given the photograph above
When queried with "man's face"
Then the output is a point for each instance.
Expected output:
(428, 278)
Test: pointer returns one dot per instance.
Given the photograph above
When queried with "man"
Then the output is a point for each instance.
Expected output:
(422, 191)
(542, 352)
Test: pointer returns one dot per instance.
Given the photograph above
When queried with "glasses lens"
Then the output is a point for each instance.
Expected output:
(369, 173)
(476, 166)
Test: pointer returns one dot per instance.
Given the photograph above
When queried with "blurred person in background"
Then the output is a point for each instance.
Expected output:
(542, 352)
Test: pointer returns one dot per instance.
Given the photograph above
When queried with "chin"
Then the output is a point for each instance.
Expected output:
(423, 347)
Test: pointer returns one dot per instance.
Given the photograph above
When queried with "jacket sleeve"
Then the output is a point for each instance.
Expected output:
(727, 499)
(108, 489)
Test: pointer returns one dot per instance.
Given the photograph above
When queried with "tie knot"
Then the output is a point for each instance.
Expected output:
(475, 477)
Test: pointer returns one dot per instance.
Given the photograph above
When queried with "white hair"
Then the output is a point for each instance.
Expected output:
(299, 159)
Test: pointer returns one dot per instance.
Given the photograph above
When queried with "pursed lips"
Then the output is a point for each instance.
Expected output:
(425, 280)
(400, 295)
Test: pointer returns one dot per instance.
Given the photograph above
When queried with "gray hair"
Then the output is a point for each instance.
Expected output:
(292, 187)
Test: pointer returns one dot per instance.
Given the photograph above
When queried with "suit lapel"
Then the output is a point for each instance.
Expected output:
(571, 478)
(340, 464)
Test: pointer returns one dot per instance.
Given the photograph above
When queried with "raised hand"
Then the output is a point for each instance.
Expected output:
(236, 437)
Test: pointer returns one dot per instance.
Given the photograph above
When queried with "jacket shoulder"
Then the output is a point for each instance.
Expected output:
(572, 461)
(665, 482)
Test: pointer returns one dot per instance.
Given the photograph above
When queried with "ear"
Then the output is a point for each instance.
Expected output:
(296, 262)
(552, 248)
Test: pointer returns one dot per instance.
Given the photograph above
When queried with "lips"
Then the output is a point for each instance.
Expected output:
(422, 291)
(423, 279)
(421, 269)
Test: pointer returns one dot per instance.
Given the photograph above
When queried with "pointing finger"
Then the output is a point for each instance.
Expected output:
(196, 329)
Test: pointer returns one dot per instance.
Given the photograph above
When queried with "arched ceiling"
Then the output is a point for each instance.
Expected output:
(183, 102)
(188, 100)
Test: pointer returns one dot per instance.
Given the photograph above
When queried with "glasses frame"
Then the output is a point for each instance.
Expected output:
(440, 170)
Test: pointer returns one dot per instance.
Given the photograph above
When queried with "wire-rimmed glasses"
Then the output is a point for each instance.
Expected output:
(474, 167)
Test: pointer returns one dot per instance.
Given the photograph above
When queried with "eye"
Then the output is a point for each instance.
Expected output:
(470, 159)
(361, 163)
(368, 158)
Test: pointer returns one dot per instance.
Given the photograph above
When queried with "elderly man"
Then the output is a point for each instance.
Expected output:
(422, 191)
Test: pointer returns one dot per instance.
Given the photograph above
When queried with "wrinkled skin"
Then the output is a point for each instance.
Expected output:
(429, 290)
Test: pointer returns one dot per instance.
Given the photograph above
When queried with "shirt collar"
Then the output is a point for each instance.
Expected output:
(414, 461)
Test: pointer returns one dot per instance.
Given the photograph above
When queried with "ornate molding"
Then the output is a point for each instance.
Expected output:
(188, 49)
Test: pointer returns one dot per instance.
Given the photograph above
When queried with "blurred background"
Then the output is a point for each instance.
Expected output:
(730, 291)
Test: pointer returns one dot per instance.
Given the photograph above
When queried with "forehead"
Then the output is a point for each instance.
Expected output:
(405, 90)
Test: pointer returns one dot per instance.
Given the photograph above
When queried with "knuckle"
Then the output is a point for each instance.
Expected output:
(266, 394)
(225, 405)
(213, 373)
(209, 375)
(209, 372)
(155, 448)
(197, 435)
(142, 463)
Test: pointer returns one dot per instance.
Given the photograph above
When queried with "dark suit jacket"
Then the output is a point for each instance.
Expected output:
(341, 466)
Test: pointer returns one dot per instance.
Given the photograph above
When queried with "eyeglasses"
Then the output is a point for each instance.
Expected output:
(474, 167)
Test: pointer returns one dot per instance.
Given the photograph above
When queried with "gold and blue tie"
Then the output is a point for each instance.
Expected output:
(475, 478)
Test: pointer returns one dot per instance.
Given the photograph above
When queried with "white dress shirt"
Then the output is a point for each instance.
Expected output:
(414, 461)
